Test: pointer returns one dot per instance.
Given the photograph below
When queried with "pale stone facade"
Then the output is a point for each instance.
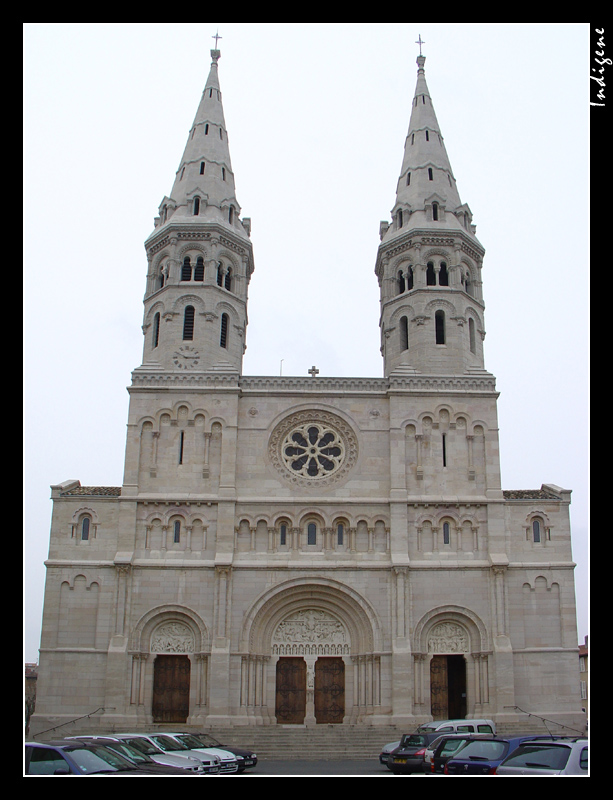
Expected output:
(345, 530)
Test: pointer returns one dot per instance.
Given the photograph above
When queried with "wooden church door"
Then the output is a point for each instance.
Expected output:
(171, 676)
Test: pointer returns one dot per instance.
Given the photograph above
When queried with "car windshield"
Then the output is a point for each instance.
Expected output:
(129, 752)
(167, 744)
(451, 746)
(98, 759)
(206, 740)
(412, 740)
(189, 741)
(484, 750)
(143, 745)
(534, 755)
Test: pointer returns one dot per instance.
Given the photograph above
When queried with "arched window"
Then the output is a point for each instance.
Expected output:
(186, 269)
(227, 281)
(401, 283)
(231, 215)
(435, 211)
(430, 275)
(340, 533)
(220, 274)
(283, 534)
(439, 324)
(85, 526)
(161, 278)
(202, 165)
(443, 275)
(404, 333)
(196, 206)
(536, 530)
(156, 329)
(311, 533)
(188, 323)
(471, 335)
(177, 531)
(409, 279)
(399, 218)
(199, 270)
(430, 176)
(223, 336)
(446, 533)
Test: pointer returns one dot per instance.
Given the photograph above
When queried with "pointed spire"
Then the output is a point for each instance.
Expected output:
(426, 176)
(204, 183)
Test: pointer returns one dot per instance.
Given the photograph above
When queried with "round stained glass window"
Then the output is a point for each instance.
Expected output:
(313, 448)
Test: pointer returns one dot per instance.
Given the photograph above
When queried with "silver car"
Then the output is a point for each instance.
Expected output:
(547, 758)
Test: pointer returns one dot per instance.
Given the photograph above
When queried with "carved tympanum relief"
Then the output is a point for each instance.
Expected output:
(172, 637)
(311, 632)
(448, 637)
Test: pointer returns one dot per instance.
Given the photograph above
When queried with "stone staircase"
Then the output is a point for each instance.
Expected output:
(331, 742)
(320, 742)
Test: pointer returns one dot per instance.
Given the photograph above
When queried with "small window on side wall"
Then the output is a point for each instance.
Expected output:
(85, 529)
(311, 533)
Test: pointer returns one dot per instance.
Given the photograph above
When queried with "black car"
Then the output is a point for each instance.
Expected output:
(449, 745)
(71, 757)
(409, 757)
(250, 758)
(140, 759)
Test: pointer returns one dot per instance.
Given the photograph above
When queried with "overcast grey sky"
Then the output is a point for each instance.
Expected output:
(317, 115)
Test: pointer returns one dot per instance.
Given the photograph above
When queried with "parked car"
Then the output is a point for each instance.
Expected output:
(482, 756)
(174, 759)
(250, 758)
(228, 761)
(69, 757)
(386, 752)
(459, 726)
(170, 744)
(547, 758)
(140, 758)
(441, 750)
(409, 755)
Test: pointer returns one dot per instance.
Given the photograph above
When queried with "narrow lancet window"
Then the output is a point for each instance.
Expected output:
(439, 323)
(223, 336)
(188, 323)
(311, 533)
(156, 330)
(199, 270)
(186, 269)
(404, 333)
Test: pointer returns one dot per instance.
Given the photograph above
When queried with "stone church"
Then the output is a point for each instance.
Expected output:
(309, 550)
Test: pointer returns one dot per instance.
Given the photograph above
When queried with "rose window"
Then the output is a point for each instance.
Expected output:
(313, 450)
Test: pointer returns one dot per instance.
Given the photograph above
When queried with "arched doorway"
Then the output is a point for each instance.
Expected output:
(451, 653)
(312, 655)
(170, 651)
(311, 644)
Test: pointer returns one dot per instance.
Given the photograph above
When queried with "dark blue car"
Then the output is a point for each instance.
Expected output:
(482, 756)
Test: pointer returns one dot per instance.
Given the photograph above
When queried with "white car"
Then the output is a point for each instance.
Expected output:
(143, 745)
(168, 744)
(229, 761)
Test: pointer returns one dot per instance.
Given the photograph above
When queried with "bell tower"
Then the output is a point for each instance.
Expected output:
(429, 260)
(199, 256)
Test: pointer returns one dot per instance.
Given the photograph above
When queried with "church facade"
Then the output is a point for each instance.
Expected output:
(309, 550)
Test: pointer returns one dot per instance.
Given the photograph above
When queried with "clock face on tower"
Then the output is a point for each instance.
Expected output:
(186, 357)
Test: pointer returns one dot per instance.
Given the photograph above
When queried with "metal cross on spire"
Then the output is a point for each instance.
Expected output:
(420, 42)
(216, 37)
